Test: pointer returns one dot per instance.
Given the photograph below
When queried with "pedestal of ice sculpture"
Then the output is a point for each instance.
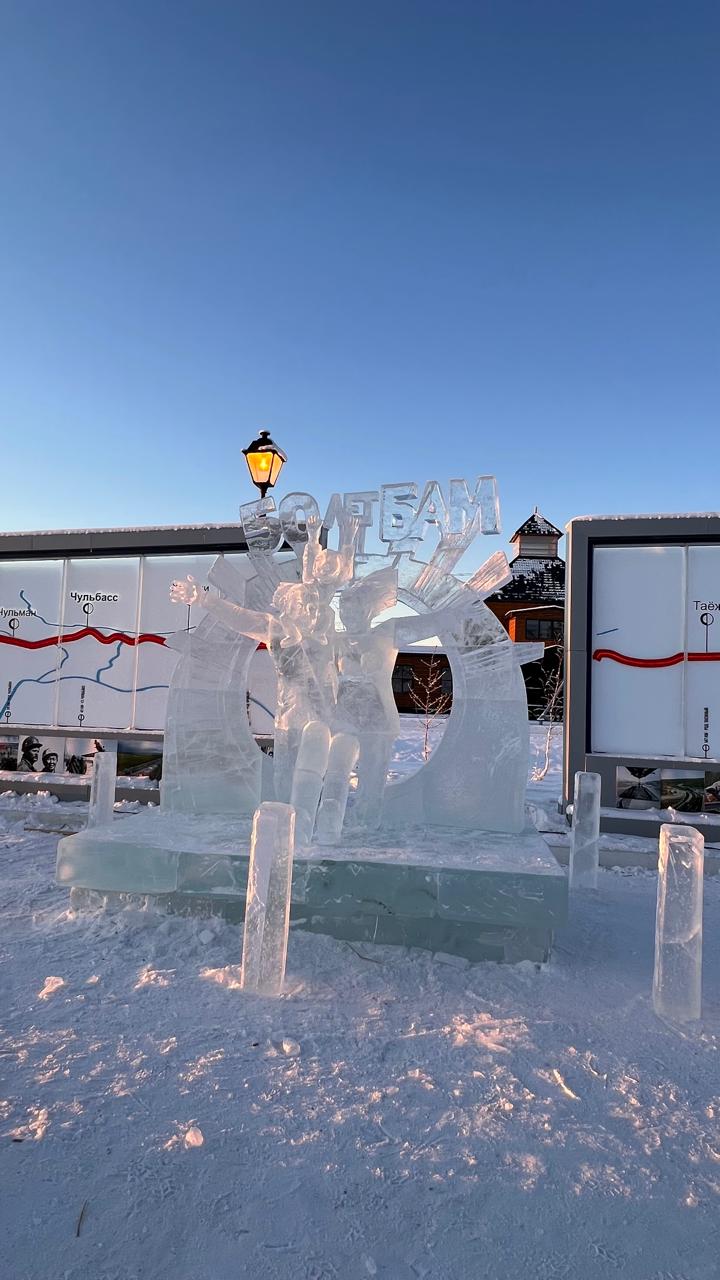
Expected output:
(480, 894)
(677, 980)
(267, 911)
(102, 789)
(585, 834)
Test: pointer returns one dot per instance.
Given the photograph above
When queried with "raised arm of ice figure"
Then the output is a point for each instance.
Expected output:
(186, 591)
(363, 600)
(451, 547)
(236, 618)
(345, 555)
(313, 549)
(424, 625)
(323, 565)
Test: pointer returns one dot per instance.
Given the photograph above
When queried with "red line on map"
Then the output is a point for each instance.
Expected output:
(623, 658)
(672, 661)
(116, 637)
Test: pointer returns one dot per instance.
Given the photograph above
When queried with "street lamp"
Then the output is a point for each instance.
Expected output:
(265, 462)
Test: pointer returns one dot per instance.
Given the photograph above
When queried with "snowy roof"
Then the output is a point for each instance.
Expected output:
(535, 578)
(650, 515)
(130, 528)
(537, 524)
(142, 540)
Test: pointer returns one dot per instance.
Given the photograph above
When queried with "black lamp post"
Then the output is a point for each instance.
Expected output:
(265, 462)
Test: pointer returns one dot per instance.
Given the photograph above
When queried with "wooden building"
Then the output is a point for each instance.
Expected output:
(531, 607)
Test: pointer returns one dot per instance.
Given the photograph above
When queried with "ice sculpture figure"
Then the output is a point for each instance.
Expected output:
(267, 906)
(365, 702)
(331, 814)
(308, 776)
(585, 835)
(298, 628)
(677, 980)
(211, 763)
(102, 789)
(365, 706)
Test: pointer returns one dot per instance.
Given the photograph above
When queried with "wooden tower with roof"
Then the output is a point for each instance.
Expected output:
(532, 605)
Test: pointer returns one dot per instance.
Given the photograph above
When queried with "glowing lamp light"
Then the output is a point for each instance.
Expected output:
(265, 462)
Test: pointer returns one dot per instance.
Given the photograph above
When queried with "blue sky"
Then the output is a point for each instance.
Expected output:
(412, 239)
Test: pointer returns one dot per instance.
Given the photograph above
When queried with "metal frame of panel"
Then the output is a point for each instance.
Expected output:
(584, 535)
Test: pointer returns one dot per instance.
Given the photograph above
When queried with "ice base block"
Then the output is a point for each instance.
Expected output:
(477, 894)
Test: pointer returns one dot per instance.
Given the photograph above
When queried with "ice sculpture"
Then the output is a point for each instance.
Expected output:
(454, 857)
(585, 834)
(677, 980)
(331, 814)
(308, 776)
(267, 905)
(102, 789)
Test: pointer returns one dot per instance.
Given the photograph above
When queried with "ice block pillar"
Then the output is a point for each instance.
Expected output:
(308, 775)
(267, 906)
(102, 789)
(585, 836)
(678, 924)
(341, 762)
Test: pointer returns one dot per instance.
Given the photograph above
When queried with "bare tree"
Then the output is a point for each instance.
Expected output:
(430, 694)
(552, 711)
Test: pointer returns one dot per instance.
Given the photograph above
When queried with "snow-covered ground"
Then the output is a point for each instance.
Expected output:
(393, 1115)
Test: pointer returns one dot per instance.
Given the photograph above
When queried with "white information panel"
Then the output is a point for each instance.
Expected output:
(30, 608)
(96, 670)
(656, 651)
(84, 642)
(159, 620)
(702, 676)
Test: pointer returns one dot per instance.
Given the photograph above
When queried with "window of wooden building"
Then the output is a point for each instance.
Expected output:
(543, 629)
(402, 678)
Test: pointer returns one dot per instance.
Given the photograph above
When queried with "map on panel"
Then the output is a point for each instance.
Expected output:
(30, 607)
(76, 639)
(655, 657)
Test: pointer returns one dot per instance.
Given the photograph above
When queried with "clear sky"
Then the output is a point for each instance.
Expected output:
(412, 238)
